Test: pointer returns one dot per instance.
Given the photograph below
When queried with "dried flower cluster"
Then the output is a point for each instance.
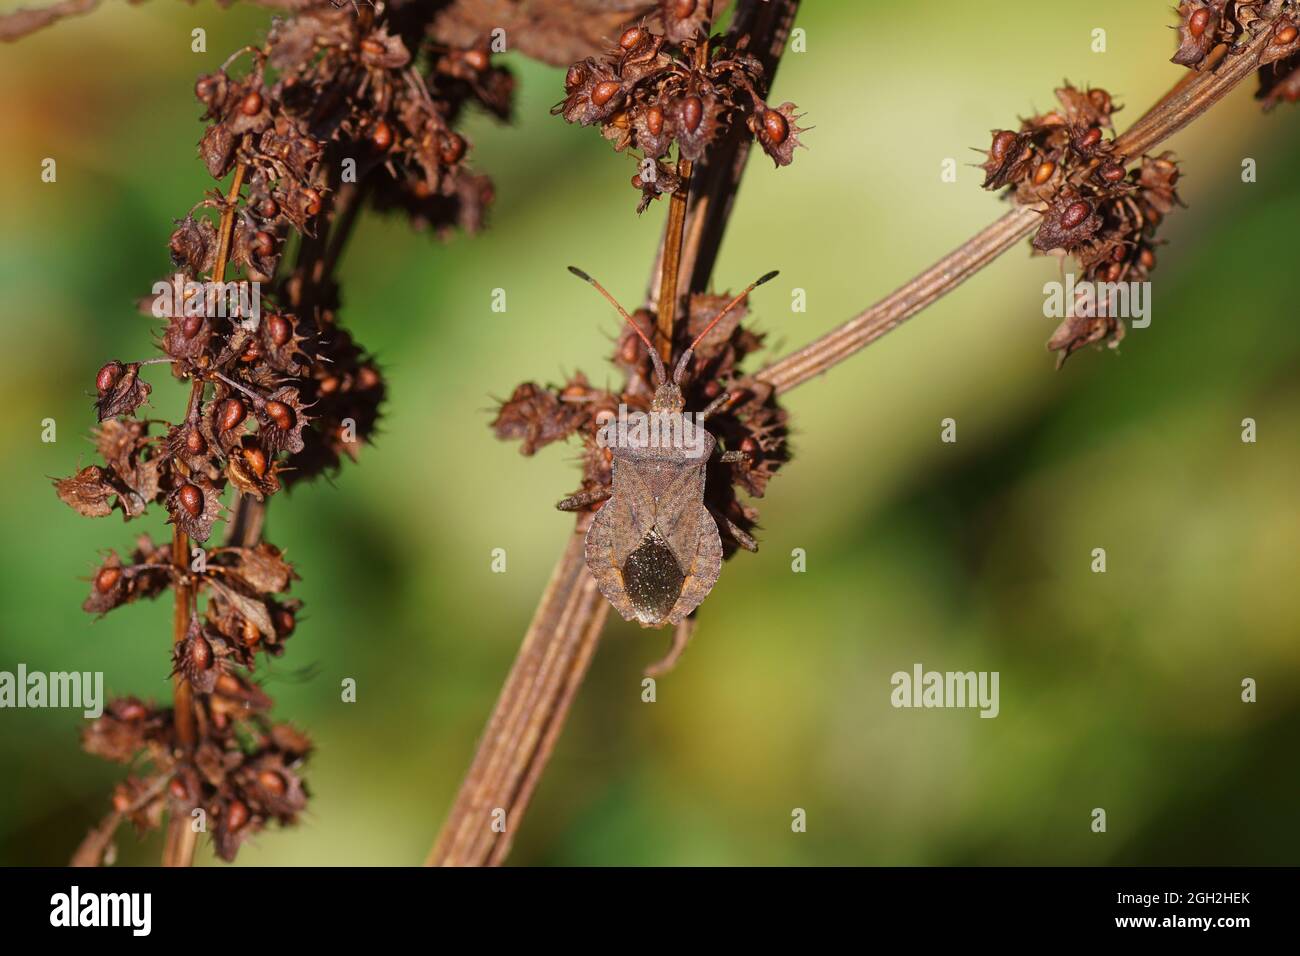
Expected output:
(1097, 209)
(1101, 213)
(333, 109)
(675, 85)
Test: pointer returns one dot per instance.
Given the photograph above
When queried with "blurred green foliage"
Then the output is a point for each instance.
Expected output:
(1118, 690)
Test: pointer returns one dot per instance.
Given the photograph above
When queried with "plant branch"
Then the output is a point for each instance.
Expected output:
(1187, 100)
(532, 706)
(178, 850)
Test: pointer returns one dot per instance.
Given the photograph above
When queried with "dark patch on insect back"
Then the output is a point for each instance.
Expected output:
(652, 578)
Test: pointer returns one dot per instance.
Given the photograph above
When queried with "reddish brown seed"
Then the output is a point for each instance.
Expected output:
(453, 148)
(312, 198)
(1147, 258)
(251, 104)
(1112, 172)
(1285, 35)
(1001, 143)
(250, 634)
(372, 46)
(692, 113)
(1091, 138)
(602, 93)
(1199, 21)
(479, 60)
(381, 135)
(278, 327)
(775, 126)
(191, 499)
(684, 8)
(107, 579)
(654, 120)
(256, 459)
(1044, 172)
(190, 325)
(1075, 214)
(574, 79)
(253, 352)
(194, 442)
(204, 88)
(329, 385)
(238, 816)
(232, 413)
(201, 653)
(121, 802)
(367, 377)
(284, 622)
(177, 787)
(269, 208)
(1113, 272)
(631, 37)
(263, 243)
(271, 782)
(749, 446)
(108, 376)
(281, 414)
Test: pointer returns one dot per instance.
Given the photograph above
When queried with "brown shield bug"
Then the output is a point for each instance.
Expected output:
(654, 547)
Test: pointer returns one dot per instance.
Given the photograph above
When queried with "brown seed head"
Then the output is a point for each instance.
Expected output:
(603, 92)
(191, 499)
(107, 579)
(108, 377)
(281, 414)
(232, 414)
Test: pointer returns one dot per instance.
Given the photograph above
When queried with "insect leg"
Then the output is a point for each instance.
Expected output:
(583, 498)
(681, 637)
(740, 537)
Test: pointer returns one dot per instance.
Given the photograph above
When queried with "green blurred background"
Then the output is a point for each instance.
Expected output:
(1119, 690)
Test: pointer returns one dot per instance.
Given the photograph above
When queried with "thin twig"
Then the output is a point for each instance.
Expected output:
(1187, 100)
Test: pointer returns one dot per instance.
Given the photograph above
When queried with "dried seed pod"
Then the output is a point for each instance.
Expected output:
(107, 377)
(281, 414)
(232, 414)
(191, 499)
(107, 579)
(251, 104)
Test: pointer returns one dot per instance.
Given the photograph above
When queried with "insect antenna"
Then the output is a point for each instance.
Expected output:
(660, 374)
(686, 356)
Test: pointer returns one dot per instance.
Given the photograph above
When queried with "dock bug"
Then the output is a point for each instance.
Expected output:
(654, 547)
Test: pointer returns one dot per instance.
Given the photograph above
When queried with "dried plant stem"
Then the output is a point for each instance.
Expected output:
(528, 716)
(1187, 100)
(178, 850)
(672, 260)
(532, 706)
